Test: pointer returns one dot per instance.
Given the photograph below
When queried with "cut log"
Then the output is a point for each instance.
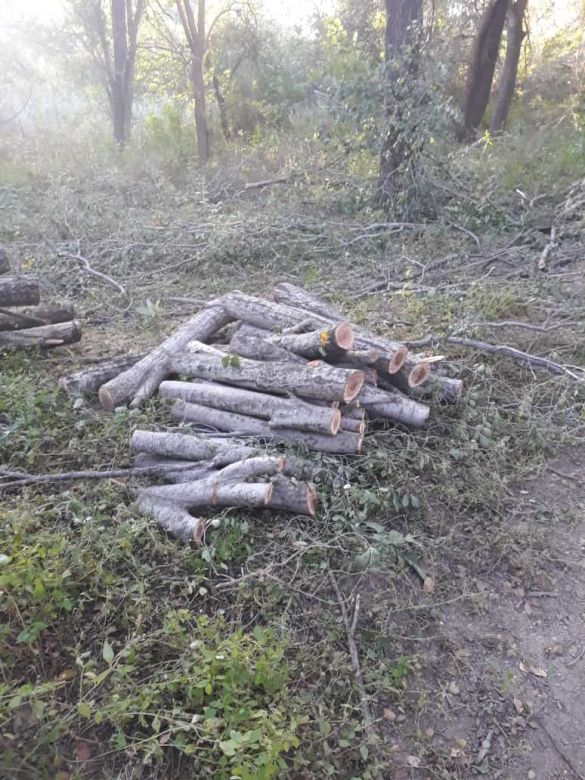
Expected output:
(343, 443)
(370, 373)
(260, 348)
(202, 494)
(268, 315)
(185, 471)
(319, 419)
(329, 343)
(142, 380)
(219, 452)
(35, 316)
(356, 412)
(392, 405)
(19, 291)
(45, 337)
(173, 518)
(316, 420)
(298, 497)
(89, 381)
(297, 297)
(321, 382)
(288, 295)
(355, 426)
(440, 388)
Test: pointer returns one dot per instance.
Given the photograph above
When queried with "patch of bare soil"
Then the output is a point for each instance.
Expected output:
(504, 673)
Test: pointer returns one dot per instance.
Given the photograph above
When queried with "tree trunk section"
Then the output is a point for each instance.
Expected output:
(19, 291)
(89, 381)
(382, 404)
(173, 518)
(319, 419)
(288, 496)
(120, 112)
(35, 316)
(507, 86)
(260, 348)
(44, 337)
(321, 382)
(342, 443)
(142, 380)
(482, 66)
(220, 452)
(4, 262)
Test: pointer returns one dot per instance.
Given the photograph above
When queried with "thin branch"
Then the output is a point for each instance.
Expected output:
(534, 361)
(97, 274)
(70, 476)
(350, 629)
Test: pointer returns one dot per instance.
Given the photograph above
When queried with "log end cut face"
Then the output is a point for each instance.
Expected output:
(419, 374)
(344, 336)
(397, 360)
(353, 385)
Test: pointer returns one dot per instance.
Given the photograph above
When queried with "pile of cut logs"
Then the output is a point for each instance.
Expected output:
(24, 322)
(288, 370)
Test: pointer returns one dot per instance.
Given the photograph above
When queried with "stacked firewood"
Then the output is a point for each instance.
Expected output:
(290, 370)
(24, 322)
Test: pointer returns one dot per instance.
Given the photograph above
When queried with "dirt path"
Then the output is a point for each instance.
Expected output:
(503, 674)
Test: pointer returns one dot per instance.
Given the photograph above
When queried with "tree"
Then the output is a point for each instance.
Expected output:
(197, 43)
(401, 52)
(112, 39)
(482, 66)
(507, 86)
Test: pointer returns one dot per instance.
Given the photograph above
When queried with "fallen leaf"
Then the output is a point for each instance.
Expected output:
(429, 585)
(165, 738)
(538, 672)
(82, 750)
(518, 706)
(528, 609)
(454, 688)
(413, 761)
(557, 650)
(389, 714)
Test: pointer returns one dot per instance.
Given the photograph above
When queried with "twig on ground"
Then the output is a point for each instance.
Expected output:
(253, 185)
(525, 325)
(350, 629)
(67, 476)
(92, 272)
(469, 233)
(534, 361)
(561, 753)
(543, 261)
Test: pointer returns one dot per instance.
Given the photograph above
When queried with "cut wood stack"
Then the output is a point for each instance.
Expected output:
(292, 370)
(24, 322)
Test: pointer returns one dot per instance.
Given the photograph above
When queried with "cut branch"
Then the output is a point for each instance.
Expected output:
(35, 316)
(89, 381)
(191, 448)
(45, 337)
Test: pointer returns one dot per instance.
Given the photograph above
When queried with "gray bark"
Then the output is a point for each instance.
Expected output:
(35, 316)
(219, 452)
(173, 518)
(321, 382)
(382, 404)
(19, 291)
(44, 337)
(288, 496)
(89, 381)
(142, 380)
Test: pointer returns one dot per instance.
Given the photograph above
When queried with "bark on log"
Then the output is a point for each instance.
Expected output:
(296, 296)
(19, 291)
(292, 467)
(189, 447)
(329, 343)
(256, 348)
(89, 381)
(289, 295)
(343, 443)
(355, 426)
(391, 405)
(35, 316)
(323, 382)
(316, 420)
(370, 373)
(319, 419)
(173, 518)
(440, 388)
(4, 262)
(183, 473)
(45, 337)
(288, 496)
(142, 380)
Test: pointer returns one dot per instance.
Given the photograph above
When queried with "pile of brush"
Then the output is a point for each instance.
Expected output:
(288, 370)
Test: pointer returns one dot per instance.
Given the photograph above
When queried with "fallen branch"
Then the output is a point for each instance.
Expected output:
(534, 361)
(253, 185)
(44, 337)
(84, 262)
(19, 291)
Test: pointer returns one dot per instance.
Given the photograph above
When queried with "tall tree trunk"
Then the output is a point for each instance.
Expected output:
(219, 96)
(483, 65)
(119, 81)
(403, 22)
(507, 86)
